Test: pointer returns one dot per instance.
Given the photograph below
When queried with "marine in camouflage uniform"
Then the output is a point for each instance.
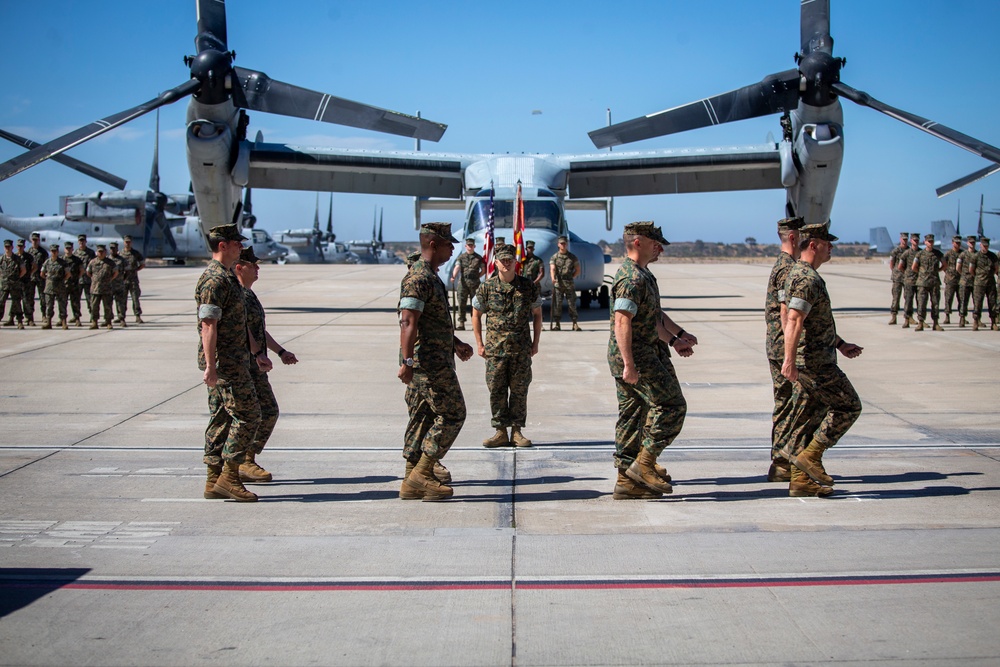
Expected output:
(928, 263)
(532, 267)
(55, 272)
(469, 268)
(564, 268)
(951, 277)
(119, 295)
(774, 310)
(428, 346)
(102, 273)
(86, 255)
(247, 269)
(11, 271)
(651, 406)
(73, 287)
(27, 283)
(910, 279)
(983, 272)
(39, 255)
(965, 258)
(828, 405)
(232, 399)
(135, 263)
(510, 302)
(896, 267)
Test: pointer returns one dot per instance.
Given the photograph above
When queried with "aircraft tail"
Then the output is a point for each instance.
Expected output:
(942, 230)
(879, 240)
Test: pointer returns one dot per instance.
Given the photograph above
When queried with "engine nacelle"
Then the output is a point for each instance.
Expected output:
(819, 154)
(81, 209)
(210, 153)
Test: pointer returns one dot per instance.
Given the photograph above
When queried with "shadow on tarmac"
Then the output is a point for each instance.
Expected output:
(901, 478)
(19, 587)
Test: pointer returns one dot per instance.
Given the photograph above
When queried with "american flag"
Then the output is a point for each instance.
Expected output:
(489, 242)
(519, 251)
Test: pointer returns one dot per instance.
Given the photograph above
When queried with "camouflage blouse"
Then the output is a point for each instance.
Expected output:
(133, 260)
(635, 291)
(895, 261)
(219, 296)
(39, 256)
(985, 266)
(469, 266)
(565, 266)
(508, 308)
(806, 292)
(966, 258)
(950, 262)
(85, 256)
(531, 267)
(101, 272)
(55, 275)
(121, 264)
(255, 322)
(929, 267)
(75, 268)
(28, 262)
(10, 269)
(909, 275)
(422, 290)
(775, 342)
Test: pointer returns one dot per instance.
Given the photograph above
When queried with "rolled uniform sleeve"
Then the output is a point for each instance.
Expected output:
(209, 311)
(411, 303)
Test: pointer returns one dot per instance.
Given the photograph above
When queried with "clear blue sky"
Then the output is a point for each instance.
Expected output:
(483, 67)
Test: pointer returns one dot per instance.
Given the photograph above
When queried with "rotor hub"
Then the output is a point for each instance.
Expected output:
(819, 71)
(213, 69)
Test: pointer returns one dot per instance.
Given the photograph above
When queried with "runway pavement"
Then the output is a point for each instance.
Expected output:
(109, 555)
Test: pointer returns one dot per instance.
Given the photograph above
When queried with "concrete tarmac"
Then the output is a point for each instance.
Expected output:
(110, 556)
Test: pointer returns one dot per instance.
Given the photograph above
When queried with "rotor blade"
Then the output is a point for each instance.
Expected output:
(966, 180)
(940, 131)
(776, 93)
(97, 128)
(814, 26)
(114, 181)
(211, 25)
(266, 94)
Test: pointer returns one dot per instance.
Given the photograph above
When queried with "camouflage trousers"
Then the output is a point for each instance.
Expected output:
(49, 307)
(909, 298)
(233, 419)
(132, 289)
(96, 302)
(43, 297)
(563, 289)
(121, 303)
(85, 292)
(933, 294)
(28, 300)
(826, 408)
(436, 407)
(964, 295)
(989, 292)
(268, 411)
(73, 294)
(897, 293)
(508, 378)
(786, 396)
(951, 293)
(463, 295)
(650, 413)
(12, 292)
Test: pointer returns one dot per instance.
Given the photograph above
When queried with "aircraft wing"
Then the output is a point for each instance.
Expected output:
(674, 171)
(407, 173)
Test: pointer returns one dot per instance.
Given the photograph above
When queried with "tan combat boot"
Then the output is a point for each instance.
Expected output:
(250, 471)
(643, 471)
(213, 476)
(937, 327)
(576, 327)
(441, 473)
(138, 320)
(780, 471)
(20, 324)
(555, 327)
(30, 322)
(499, 439)
(961, 321)
(892, 320)
(48, 323)
(421, 480)
(63, 324)
(920, 326)
(626, 489)
(947, 318)
(93, 325)
(801, 486)
(810, 461)
(662, 472)
(517, 438)
(229, 485)
(994, 327)
(77, 322)
(906, 322)
(9, 323)
(975, 324)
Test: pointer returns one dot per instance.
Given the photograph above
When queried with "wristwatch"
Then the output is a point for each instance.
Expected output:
(408, 361)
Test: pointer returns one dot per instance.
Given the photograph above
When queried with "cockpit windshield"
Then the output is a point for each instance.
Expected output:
(538, 214)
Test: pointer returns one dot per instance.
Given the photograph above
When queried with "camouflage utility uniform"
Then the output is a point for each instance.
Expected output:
(434, 397)
(983, 270)
(101, 273)
(965, 259)
(28, 284)
(951, 280)
(563, 286)
(895, 262)
(86, 255)
(928, 282)
(55, 271)
(10, 287)
(784, 391)
(39, 257)
(470, 267)
(74, 288)
(133, 262)
(651, 411)
(531, 266)
(829, 405)
(232, 402)
(509, 308)
(262, 386)
(909, 283)
(118, 292)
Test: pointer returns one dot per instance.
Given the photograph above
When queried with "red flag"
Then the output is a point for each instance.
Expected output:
(519, 252)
